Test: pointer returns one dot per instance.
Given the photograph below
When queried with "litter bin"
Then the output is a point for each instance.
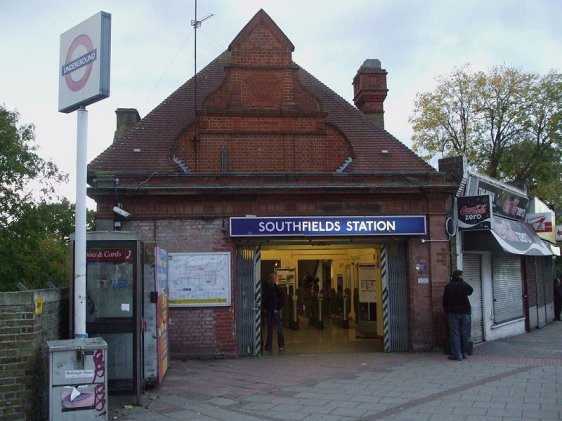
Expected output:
(78, 379)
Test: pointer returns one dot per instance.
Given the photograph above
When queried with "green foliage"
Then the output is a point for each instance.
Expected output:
(22, 171)
(507, 123)
(34, 230)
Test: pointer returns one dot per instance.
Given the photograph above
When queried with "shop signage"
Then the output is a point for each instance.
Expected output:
(474, 212)
(109, 255)
(558, 232)
(504, 202)
(518, 238)
(251, 226)
(542, 223)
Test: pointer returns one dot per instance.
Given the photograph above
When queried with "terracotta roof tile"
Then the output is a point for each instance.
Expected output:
(146, 148)
(367, 138)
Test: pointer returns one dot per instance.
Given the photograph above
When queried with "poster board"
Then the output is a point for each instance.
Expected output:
(199, 279)
(287, 277)
(367, 277)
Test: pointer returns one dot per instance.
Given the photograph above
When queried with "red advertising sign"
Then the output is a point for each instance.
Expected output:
(109, 255)
(474, 212)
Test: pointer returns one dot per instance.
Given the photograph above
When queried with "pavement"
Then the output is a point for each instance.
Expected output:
(516, 378)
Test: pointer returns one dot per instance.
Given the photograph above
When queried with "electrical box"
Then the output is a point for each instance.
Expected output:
(78, 379)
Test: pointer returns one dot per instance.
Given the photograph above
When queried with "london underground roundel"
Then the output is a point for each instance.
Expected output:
(79, 62)
(84, 63)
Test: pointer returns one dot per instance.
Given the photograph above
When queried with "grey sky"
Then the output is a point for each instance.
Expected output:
(152, 51)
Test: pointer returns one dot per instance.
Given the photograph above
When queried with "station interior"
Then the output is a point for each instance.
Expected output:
(333, 296)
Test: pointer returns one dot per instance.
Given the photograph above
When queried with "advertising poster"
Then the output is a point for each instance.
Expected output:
(474, 212)
(162, 312)
(543, 224)
(504, 202)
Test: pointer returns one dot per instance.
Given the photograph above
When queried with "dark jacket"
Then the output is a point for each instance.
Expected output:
(274, 297)
(455, 297)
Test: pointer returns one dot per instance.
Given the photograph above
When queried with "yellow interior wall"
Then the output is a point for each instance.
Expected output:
(341, 257)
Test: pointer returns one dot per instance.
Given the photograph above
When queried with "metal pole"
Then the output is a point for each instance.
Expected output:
(320, 320)
(195, 61)
(80, 224)
(345, 322)
(295, 321)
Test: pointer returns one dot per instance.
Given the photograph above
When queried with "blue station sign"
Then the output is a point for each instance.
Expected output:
(311, 226)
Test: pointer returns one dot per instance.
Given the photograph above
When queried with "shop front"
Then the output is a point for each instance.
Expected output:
(506, 262)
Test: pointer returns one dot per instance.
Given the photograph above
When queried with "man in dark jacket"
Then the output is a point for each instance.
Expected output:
(457, 307)
(274, 299)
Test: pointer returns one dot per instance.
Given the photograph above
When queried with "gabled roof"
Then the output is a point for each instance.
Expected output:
(368, 140)
(261, 19)
(154, 135)
(148, 146)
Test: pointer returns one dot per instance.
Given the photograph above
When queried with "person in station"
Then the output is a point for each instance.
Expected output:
(557, 298)
(457, 306)
(307, 281)
(274, 299)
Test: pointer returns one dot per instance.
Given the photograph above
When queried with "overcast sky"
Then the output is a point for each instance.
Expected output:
(152, 52)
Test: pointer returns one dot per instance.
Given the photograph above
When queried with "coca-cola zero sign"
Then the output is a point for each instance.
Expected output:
(474, 212)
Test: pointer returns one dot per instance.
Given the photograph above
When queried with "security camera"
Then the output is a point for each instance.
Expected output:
(121, 212)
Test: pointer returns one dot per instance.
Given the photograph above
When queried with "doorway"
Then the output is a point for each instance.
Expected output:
(326, 286)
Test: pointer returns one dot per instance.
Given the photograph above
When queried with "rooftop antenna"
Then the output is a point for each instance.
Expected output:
(196, 24)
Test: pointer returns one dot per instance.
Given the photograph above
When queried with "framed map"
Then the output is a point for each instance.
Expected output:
(199, 279)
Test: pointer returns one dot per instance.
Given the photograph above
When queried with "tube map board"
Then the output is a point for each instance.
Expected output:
(199, 279)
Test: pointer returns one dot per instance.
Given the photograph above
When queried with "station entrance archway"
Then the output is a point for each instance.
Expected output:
(336, 295)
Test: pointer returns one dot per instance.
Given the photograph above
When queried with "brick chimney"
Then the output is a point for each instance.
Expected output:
(126, 118)
(369, 90)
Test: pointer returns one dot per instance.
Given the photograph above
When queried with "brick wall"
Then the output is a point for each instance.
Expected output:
(195, 332)
(24, 372)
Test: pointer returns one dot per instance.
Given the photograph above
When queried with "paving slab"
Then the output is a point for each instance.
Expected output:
(515, 378)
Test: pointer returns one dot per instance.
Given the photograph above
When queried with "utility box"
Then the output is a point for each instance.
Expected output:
(78, 379)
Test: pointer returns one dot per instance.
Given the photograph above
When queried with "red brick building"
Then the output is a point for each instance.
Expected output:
(254, 136)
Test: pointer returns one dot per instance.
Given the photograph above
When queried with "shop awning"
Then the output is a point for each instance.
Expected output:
(554, 249)
(518, 238)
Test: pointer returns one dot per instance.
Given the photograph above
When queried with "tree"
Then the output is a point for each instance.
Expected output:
(34, 229)
(506, 122)
(21, 169)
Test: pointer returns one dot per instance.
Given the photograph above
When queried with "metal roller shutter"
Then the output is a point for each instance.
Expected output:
(507, 287)
(532, 290)
(540, 281)
(548, 271)
(472, 271)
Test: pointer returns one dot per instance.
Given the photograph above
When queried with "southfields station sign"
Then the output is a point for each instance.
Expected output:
(326, 226)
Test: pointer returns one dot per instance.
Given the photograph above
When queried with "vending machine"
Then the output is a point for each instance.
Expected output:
(114, 305)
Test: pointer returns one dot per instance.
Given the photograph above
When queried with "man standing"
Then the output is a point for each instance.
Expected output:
(457, 307)
(274, 298)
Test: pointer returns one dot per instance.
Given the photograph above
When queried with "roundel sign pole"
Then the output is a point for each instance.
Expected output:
(83, 80)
